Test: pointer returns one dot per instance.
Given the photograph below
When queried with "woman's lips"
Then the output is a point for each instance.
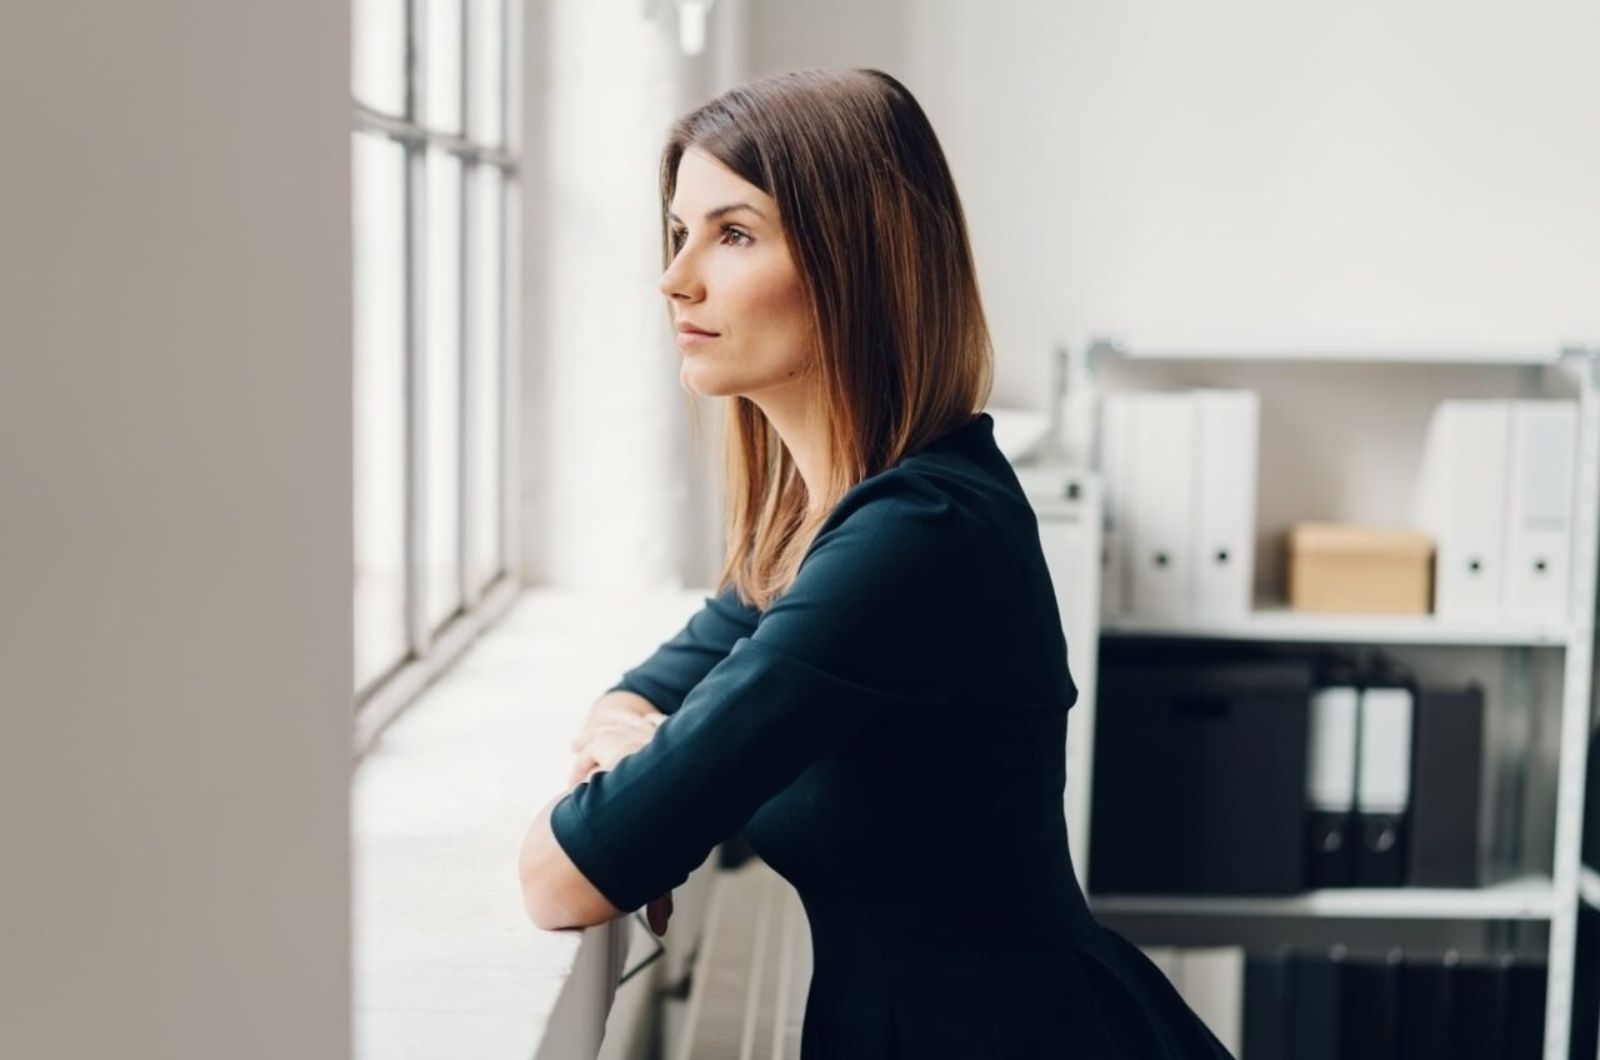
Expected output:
(693, 338)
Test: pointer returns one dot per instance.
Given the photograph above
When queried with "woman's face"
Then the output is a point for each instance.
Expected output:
(732, 275)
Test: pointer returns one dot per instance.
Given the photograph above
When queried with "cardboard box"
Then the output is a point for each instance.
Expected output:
(1359, 569)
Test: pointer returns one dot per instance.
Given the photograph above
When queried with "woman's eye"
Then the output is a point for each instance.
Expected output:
(680, 234)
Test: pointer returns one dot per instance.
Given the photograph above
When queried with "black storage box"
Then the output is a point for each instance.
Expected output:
(1199, 776)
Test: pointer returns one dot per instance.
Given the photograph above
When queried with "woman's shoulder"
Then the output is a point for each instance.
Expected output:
(899, 506)
(887, 593)
(952, 497)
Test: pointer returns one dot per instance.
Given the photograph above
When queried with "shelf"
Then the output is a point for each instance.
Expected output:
(1277, 623)
(1523, 898)
(1018, 432)
(1589, 886)
(1487, 357)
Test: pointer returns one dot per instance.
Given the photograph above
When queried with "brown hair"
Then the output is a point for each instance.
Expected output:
(873, 222)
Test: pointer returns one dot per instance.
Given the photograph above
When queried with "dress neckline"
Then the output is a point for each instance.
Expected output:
(979, 426)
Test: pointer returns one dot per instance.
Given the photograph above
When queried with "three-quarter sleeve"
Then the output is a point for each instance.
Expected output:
(683, 661)
(874, 624)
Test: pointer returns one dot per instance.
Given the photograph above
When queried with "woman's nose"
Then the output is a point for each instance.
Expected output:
(679, 280)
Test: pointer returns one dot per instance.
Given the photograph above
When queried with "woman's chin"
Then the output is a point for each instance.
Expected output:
(696, 380)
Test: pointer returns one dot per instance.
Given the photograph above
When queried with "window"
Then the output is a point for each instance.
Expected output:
(434, 181)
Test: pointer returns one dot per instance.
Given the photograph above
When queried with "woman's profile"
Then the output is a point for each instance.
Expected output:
(877, 694)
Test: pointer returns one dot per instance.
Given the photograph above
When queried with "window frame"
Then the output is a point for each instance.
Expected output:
(430, 651)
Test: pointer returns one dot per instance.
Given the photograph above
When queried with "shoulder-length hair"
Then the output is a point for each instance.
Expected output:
(872, 220)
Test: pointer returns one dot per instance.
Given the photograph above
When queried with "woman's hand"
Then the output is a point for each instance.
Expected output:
(617, 727)
(657, 913)
(608, 739)
(614, 706)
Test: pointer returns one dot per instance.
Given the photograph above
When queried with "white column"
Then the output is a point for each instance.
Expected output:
(613, 490)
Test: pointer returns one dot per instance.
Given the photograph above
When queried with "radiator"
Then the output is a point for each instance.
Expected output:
(748, 994)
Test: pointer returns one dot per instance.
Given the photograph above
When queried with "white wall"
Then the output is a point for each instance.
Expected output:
(175, 530)
(607, 494)
(619, 489)
(1373, 175)
(1379, 176)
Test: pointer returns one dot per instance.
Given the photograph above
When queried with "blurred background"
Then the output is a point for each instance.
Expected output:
(345, 461)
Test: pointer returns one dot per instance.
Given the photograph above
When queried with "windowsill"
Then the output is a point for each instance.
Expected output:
(446, 961)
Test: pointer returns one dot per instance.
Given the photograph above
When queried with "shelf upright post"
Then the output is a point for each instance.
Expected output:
(1584, 366)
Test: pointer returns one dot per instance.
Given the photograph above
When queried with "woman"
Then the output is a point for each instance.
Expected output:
(877, 695)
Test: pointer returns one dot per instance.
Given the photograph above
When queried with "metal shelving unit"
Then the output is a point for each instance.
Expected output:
(1270, 622)
(1589, 886)
(1531, 897)
(1550, 898)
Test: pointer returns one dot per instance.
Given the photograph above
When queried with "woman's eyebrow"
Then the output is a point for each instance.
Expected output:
(720, 210)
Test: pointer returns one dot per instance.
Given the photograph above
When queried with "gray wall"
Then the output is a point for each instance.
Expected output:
(175, 529)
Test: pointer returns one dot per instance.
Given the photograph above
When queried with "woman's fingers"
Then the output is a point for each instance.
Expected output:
(631, 723)
(633, 734)
(611, 727)
(658, 911)
(606, 740)
(581, 768)
(610, 713)
(606, 749)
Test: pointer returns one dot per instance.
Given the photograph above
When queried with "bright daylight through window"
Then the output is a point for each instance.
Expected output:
(434, 181)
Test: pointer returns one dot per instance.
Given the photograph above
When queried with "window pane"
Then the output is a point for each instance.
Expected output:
(378, 66)
(378, 188)
(486, 23)
(444, 385)
(444, 64)
(484, 374)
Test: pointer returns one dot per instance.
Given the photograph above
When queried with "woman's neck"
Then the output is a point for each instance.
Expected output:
(791, 409)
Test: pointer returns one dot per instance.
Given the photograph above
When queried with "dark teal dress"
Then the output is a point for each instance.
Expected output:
(890, 737)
